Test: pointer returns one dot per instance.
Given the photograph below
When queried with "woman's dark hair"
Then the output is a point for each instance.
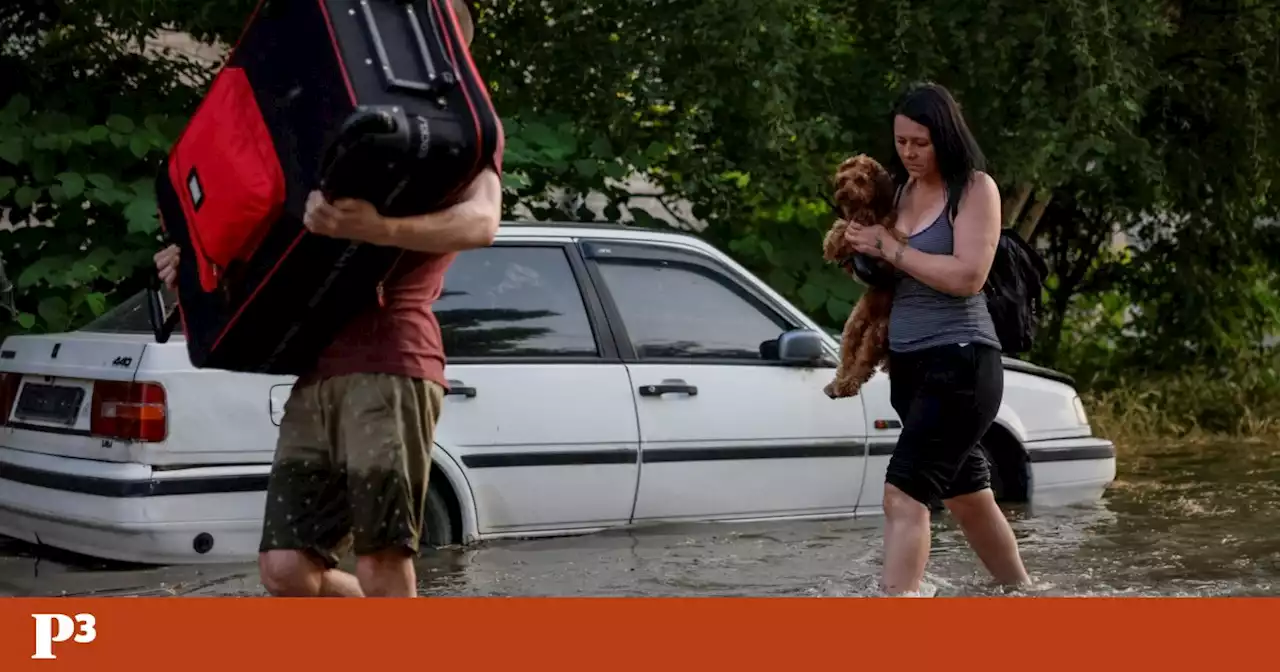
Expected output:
(954, 146)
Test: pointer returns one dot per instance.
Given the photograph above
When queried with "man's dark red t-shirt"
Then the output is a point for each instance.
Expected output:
(400, 335)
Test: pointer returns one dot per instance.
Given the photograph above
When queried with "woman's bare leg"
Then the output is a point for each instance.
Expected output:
(990, 536)
(906, 542)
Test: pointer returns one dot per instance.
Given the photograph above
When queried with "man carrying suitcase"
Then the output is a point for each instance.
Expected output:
(354, 452)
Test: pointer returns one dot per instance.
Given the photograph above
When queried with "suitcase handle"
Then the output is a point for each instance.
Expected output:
(440, 76)
(369, 134)
(162, 323)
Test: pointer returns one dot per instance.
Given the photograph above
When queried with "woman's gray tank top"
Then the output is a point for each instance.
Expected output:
(923, 317)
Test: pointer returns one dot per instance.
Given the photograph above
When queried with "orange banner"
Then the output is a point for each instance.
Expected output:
(602, 634)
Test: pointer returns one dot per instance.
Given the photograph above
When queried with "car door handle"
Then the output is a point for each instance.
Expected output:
(457, 388)
(668, 387)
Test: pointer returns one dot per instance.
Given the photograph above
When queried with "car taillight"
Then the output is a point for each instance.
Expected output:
(8, 394)
(129, 411)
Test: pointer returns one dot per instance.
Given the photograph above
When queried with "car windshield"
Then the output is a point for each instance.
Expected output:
(130, 317)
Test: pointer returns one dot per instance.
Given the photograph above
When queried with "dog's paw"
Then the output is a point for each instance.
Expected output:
(838, 390)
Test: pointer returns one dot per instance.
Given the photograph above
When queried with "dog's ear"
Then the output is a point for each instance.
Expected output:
(884, 192)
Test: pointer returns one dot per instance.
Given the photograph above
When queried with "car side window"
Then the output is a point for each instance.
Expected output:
(508, 301)
(681, 311)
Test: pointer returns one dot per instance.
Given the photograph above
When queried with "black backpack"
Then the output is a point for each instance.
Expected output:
(1013, 290)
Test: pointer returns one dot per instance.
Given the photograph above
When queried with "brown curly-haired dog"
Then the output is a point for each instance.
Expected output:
(864, 193)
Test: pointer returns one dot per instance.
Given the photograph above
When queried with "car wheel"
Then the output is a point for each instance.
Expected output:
(438, 528)
(1009, 465)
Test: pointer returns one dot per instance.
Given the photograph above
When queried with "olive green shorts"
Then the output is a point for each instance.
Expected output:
(351, 466)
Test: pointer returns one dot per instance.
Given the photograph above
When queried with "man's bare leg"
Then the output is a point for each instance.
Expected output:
(990, 536)
(287, 573)
(388, 573)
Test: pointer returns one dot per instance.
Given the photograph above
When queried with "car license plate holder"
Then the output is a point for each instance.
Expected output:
(54, 404)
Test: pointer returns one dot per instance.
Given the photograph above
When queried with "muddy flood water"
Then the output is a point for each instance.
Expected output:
(1186, 520)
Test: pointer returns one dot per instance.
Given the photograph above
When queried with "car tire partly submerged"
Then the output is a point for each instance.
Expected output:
(1010, 468)
(437, 523)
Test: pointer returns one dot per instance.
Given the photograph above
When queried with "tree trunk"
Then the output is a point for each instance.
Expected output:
(1014, 205)
(1027, 227)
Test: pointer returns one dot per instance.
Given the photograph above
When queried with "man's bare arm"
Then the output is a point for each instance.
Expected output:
(471, 223)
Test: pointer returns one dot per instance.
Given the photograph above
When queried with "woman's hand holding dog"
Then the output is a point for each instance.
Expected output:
(872, 241)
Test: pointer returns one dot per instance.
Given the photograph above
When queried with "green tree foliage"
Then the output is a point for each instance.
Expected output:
(1198, 282)
(1202, 276)
(84, 118)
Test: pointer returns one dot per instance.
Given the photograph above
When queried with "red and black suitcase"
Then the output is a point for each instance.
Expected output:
(376, 99)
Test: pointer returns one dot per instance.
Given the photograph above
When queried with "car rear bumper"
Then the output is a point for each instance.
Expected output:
(129, 512)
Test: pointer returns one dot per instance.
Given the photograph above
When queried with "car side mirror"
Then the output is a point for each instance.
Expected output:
(802, 346)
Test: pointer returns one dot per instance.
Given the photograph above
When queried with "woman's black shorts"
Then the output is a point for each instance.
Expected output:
(946, 396)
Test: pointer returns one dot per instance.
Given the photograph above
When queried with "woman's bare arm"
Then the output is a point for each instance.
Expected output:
(977, 232)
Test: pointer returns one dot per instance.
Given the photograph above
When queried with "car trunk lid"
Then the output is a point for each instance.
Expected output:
(75, 395)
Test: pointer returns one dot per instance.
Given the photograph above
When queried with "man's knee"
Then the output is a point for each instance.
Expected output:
(388, 559)
(288, 573)
(387, 573)
(898, 505)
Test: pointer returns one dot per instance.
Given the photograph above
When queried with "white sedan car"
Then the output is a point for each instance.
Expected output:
(602, 376)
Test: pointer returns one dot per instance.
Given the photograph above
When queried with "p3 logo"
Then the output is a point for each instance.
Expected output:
(58, 628)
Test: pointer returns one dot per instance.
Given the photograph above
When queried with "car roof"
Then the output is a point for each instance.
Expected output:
(517, 229)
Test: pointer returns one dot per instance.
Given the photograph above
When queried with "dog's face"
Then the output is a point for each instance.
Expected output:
(864, 187)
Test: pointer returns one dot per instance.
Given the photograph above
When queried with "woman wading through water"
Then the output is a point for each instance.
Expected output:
(946, 375)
